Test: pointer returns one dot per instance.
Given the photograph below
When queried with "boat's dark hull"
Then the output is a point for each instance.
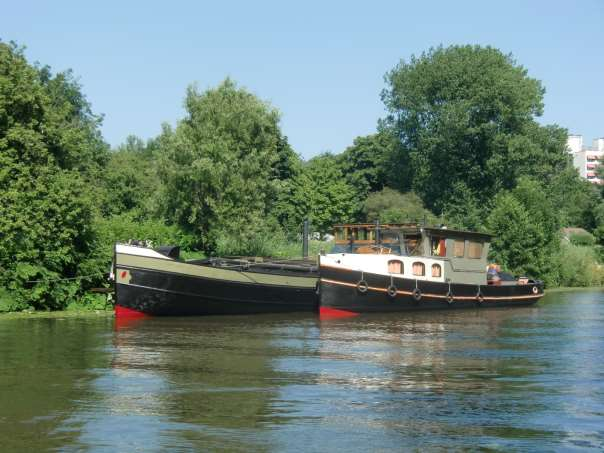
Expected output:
(339, 291)
(173, 291)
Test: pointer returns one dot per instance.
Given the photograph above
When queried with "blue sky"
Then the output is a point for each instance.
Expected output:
(320, 63)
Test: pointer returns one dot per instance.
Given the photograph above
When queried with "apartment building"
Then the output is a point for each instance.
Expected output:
(586, 159)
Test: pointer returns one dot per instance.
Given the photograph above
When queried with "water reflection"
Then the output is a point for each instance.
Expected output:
(517, 379)
(44, 368)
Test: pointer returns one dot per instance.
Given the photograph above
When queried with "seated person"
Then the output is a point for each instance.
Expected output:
(493, 277)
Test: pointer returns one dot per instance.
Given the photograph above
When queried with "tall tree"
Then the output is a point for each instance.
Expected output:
(51, 154)
(223, 163)
(464, 116)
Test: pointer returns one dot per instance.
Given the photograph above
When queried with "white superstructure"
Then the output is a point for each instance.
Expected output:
(412, 267)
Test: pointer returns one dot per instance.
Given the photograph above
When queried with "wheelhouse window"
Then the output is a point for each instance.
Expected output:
(419, 269)
(475, 250)
(351, 234)
(362, 234)
(439, 247)
(436, 270)
(459, 248)
(395, 267)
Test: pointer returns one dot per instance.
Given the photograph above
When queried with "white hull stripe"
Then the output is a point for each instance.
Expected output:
(437, 296)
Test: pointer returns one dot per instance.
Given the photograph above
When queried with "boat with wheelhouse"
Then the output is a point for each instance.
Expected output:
(399, 267)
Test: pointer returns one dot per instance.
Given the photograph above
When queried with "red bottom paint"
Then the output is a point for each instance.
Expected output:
(334, 313)
(123, 312)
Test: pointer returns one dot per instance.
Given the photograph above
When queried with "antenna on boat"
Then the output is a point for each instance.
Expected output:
(305, 239)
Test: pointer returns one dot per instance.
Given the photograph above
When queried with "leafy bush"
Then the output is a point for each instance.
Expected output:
(121, 228)
(526, 231)
(578, 266)
(90, 301)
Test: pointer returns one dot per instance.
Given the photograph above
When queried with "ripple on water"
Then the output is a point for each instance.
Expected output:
(519, 379)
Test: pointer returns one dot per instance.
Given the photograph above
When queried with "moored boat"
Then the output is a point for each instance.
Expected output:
(157, 282)
(432, 268)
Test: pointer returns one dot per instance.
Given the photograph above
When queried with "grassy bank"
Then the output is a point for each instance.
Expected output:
(61, 314)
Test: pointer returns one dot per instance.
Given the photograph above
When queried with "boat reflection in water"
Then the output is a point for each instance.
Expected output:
(514, 380)
(211, 378)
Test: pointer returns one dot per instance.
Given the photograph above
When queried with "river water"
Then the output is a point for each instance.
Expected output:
(504, 379)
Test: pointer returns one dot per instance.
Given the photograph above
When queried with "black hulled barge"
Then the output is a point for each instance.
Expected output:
(392, 268)
(157, 282)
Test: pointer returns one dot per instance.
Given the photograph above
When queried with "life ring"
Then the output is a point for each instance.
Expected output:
(392, 291)
(362, 286)
(535, 290)
(479, 297)
(417, 295)
(450, 298)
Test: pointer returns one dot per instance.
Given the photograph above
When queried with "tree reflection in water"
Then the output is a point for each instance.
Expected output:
(511, 379)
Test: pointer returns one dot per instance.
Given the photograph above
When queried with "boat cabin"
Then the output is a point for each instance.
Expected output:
(436, 254)
(463, 253)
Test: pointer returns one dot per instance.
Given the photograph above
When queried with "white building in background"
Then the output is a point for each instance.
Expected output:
(586, 159)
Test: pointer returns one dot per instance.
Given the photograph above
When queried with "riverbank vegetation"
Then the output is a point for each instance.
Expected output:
(460, 145)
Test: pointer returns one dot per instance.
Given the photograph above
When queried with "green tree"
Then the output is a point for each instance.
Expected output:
(320, 193)
(526, 229)
(391, 206)
(131, 180)
(464, 116)
(364, 164)
(577, 201)
(51, 155)
(222, 164)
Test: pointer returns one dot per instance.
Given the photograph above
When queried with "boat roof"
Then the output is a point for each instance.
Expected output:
(382, 226)
(416, 227)
(434, 231)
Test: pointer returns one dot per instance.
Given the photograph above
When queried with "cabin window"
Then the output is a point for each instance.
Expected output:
(419, 269)
(371, 235)
(459, 248)
(340, 234)
(362, 234)
(474, 250)
(395, 267)
(350, 234)
(436, 270)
